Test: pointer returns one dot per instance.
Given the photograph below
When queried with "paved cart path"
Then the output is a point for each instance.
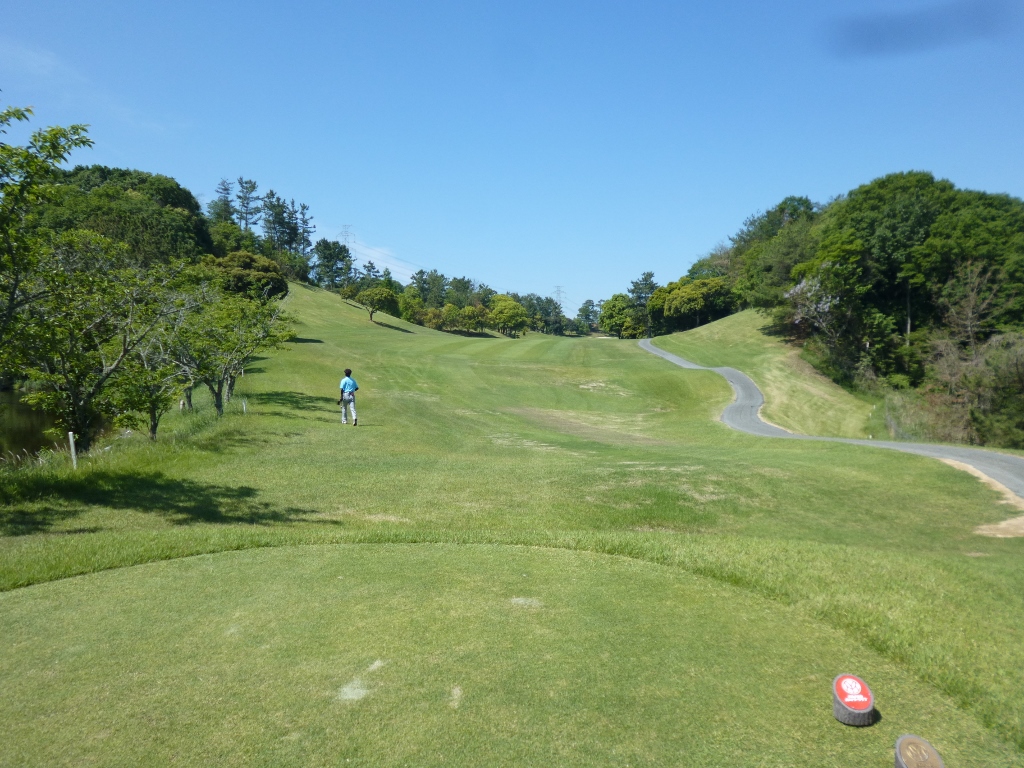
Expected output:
(743, 414)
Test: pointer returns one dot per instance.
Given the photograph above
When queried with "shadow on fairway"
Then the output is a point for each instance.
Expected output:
(300, 340)
(296, 400)
(35, 505)
(473, 334)
(392, 327)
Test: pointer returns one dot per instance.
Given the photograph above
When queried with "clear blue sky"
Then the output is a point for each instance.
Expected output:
(532, 144)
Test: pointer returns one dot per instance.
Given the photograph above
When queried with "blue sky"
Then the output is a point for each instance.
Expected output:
(532, 144)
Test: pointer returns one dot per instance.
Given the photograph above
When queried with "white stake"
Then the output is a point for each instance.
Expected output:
(74, 456)
(243, 406)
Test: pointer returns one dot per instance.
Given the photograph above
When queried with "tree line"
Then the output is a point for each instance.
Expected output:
(119, 293)
(906, 288)
(113, 303)
(431, 299)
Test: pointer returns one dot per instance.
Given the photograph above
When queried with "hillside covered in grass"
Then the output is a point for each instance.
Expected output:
(530, 550)
(797, 397)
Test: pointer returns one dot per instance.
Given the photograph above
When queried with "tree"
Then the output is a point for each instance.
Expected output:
(432, 287)
(24, 174)
(508, 316)
(588, 314)
(228, 237)
(616, 312)
(249, 204)
(306, 228)
(222, 209)
(256, 276)
(967, 302)
(410, 305)
(640, 292)
(148, 384)
(379, 299)
(223, 336)
(157, 218)
(97, 308)
(333, 264)
(474, 317)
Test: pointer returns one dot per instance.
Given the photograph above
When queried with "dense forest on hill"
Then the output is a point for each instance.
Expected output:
(906, 288)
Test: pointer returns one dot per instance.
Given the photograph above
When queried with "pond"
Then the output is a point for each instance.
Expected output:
(21, 427)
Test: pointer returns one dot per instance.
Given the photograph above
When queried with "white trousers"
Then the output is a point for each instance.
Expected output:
(351, 406)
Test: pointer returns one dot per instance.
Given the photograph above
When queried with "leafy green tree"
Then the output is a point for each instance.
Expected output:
(332, 266)
(615, 313)
(97, 307)
(451, 317)
(148, 384)
(228, 237)
(410, 305)
(474, 317)
(433, 318)
(25, 172)
(432, 287)
(508, 316)
(222, 337)
(251, 274)
(157, 218)
(378, 299)
(766, 268)
(716, 264)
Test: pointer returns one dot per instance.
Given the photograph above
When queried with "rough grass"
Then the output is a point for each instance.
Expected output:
(575, 445)
(797, 397)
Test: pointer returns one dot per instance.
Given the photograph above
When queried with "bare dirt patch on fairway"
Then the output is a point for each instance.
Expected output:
(456, 697)
(527, 602)
(1008, 529)
(355, 689)
(599, 427)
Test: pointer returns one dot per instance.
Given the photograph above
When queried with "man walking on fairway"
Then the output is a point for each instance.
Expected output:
(348, 397)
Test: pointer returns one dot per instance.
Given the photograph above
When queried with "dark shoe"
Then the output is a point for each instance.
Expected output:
(355, 422)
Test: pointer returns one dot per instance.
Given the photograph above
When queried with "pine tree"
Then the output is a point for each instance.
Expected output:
(249, 204)
(221, 208)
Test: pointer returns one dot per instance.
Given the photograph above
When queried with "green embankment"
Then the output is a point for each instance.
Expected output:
(674, 575)
(797, 397)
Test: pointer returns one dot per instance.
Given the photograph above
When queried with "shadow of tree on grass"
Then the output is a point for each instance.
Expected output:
(392, 327)
(34, 504)
(298, 400)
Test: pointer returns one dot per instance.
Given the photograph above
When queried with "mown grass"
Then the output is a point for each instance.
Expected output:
(574, 445)
(797, 397)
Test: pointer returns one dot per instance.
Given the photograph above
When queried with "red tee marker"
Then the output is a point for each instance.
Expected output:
(852, 701)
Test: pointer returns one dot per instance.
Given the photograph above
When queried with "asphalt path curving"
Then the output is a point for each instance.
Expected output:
(743, 414)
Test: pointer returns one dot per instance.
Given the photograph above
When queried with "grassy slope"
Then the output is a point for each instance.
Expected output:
(573, 444)
(797, 397)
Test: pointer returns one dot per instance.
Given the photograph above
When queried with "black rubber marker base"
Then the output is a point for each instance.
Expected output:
(915, 752)
(852, 701)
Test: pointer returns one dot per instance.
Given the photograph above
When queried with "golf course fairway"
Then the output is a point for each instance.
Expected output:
(535, 551)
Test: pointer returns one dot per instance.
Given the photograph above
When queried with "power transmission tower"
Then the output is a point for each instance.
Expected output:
(560, 295)
(345, 233)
